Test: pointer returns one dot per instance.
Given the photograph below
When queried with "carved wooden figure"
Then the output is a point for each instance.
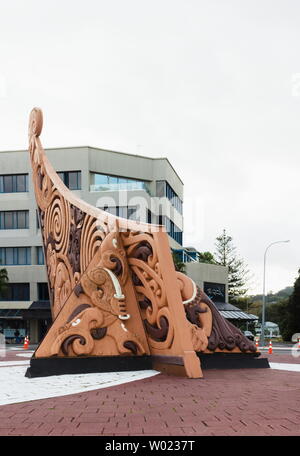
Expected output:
(116, 300)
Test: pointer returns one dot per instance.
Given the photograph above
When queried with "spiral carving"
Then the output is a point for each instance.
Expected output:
(91, 240)
(35, 123)
(57, 223)
(96, 272)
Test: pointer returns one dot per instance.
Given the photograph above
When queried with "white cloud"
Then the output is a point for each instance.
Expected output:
(209, 84)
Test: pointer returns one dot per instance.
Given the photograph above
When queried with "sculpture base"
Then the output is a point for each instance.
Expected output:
(220, 360)
(44, 367)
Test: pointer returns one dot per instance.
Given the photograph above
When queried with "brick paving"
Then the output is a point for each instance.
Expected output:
(225, 402)
(13, 355)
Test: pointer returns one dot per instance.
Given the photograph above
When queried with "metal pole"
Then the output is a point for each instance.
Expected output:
(263, 316)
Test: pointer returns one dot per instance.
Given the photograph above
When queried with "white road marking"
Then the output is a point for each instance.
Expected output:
(285, 366)
(15, 387)
(25, 355)
(14, 363)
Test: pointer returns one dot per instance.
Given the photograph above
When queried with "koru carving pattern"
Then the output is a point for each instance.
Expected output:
(113, 286)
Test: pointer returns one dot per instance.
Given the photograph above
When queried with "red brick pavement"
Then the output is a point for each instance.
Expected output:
(12, 355)
(225, 402)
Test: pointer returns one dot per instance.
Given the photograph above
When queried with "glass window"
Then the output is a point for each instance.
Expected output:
(8, 220)
(171, 229)
(22, 255)
(21, 183)
(123, 180)
(132, 213)
(164, 189)
(8, 184)
(43, 292)
(71, 179)
(111, 210)
(122, 212)
(9, 256)
(13, 220)
(12, 183)
(40, 255)
(62, 176)
(22, 219)
(149, 216)
(160, 188)
(102, 183)
(127, 212)
(2, 256)
(99, 179)
(112, 180)
(21, 292)
(16, 292)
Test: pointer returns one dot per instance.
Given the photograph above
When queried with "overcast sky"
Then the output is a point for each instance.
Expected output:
(214, 85)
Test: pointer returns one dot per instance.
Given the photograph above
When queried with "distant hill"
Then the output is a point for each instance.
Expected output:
(273, 297)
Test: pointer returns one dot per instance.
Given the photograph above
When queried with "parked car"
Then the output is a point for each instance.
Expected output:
(249, 335)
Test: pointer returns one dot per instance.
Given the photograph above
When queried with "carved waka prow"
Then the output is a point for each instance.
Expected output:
(117, 302)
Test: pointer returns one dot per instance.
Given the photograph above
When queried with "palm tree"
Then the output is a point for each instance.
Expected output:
(179, 265)
(3, 280)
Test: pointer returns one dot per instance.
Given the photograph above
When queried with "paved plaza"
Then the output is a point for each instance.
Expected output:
(226, 402)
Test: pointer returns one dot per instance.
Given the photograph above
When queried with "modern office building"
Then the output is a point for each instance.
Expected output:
(130, 186)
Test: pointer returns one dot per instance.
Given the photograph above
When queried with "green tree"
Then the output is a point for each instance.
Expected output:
(291, 324)
(238, 274)
(179, 265)
(277, 313)
(3, 280)
(206, 257)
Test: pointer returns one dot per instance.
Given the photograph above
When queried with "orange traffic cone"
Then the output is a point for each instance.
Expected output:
(256, 342)
(270, 348)
(26, 343)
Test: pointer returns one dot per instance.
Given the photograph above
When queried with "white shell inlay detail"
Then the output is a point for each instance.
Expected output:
(124, 317)
(193, 295)
(76, 322)
(123, 327)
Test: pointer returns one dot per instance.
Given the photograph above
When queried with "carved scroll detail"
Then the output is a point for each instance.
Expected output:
(113, 286)
(150, 289)
(223, 335)
(87, 269)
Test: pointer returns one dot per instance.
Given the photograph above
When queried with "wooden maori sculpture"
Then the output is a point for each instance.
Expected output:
(116, 300)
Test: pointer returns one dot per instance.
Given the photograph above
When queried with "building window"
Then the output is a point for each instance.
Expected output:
(171, 228)
(43, 292)
(11, 256)
(163, 189)
(10, 220)
(15, 292)
(71, 179)
(40, 255)
(13, 183)
(38, 225)
(149, 216)
(106, 183)
(127, 212)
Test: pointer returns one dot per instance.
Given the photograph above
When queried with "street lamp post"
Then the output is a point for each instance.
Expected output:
(262, 335)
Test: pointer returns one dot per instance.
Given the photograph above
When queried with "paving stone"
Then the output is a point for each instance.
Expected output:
(224, 402)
